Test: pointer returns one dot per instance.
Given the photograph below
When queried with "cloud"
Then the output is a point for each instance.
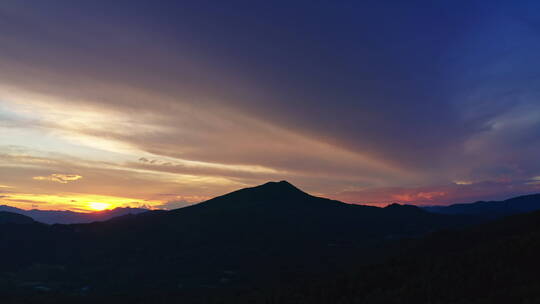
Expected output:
(535, 180)
(463, 182)
(179, 201)
(419, 196)
(59, 178)
(437, 100)
(441, 194)
(344, 103)
(107, 179)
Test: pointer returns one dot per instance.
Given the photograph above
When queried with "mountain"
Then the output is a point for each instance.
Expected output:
(70, 217)
(14, 218)
(275, 244)
(491, 209)
(269, 233)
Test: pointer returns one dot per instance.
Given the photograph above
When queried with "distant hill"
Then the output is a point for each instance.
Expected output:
(14, 218)
(491, 209)
(70, 217)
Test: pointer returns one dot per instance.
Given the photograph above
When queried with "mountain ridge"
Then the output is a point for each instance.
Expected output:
(14, 218)
(247, 238)
(260, 233)
(491, 209)
(71, 217)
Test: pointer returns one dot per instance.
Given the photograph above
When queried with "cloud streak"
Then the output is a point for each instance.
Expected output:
(59, 178)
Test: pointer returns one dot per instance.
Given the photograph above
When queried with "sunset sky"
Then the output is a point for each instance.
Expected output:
(167, 103)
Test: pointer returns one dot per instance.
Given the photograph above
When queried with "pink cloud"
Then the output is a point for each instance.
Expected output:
(440, 194)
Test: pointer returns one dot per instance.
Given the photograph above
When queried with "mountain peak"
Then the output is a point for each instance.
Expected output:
(404, 207)
(282, 185)
(278, 192)
(276, 189)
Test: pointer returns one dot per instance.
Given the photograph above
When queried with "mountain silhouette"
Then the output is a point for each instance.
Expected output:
(14, 218)
(495, 262)
(258, 234)
(491, 209)
(71, 217)
(243, 246)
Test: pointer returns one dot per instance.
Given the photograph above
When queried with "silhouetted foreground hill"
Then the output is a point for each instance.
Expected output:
(14, 218)
(253, 235)
(250, 241)
(70, 217)
(497, 262)
(492, 209)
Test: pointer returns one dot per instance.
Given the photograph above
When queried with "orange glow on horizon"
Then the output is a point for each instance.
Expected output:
(72, 201)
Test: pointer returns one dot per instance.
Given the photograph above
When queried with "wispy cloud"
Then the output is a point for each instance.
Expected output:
(59, 178)
(535, 180)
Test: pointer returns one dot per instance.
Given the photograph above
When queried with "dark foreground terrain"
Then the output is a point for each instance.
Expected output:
(274, 244)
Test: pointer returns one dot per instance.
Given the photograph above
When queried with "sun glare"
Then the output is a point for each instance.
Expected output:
(98, 206)
(71, 201)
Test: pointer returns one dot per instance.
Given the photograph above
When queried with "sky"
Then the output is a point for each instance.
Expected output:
(163, 104)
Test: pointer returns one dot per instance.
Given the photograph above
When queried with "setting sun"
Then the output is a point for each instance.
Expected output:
(78, 202)
(98, 206)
